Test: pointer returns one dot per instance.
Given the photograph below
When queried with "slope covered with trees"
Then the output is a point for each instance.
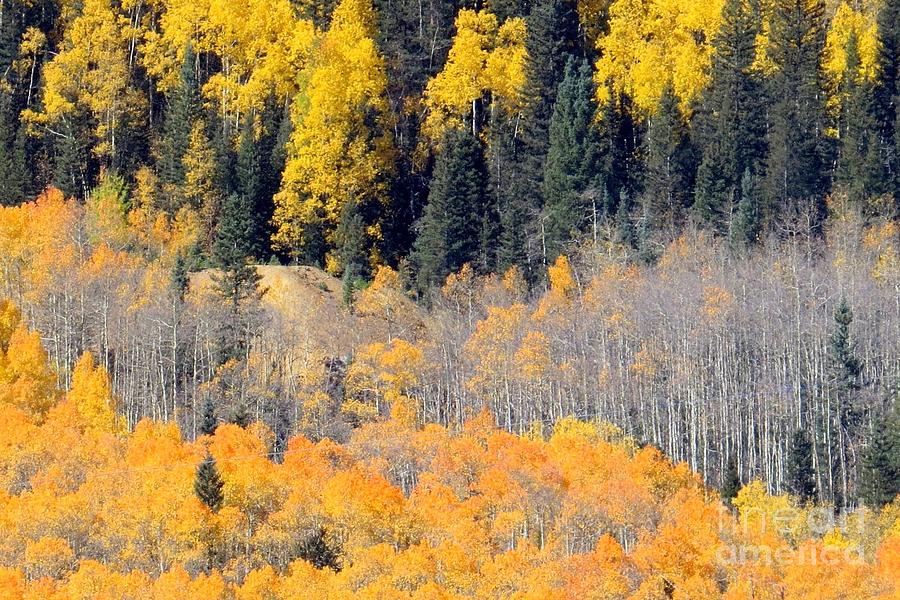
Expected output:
(336, 296)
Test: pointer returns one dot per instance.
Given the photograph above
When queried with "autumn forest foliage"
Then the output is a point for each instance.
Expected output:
(502, 299)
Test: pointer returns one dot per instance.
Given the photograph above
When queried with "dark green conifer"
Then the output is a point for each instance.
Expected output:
(208, 484)
(798, 150)
(572, 161)
(801, 475)
(451, 229)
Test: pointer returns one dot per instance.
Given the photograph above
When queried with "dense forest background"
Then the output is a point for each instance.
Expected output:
(679, 217)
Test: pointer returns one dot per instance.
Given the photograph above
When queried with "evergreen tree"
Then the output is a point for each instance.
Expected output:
(667, 164)
(181, 114)
(250, 182)
(68, 169)
(12, 155)
(801, 476)
(731, 124)
(180, 281)
(746, 224)
(887, 91)
(238, 279)
(859, 168)
(798, 150)
(571, 159)
(452, 226)
(731, 481)
(208, 485)
(350, 238)
(552, 40)
(845, 367)
(208, 420)
(880, 468)
(240, 416)
(317, 551)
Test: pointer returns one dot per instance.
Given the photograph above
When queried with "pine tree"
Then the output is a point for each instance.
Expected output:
(238, 279)
(798, 151)
(552, 40)
(731, 481)
(880, 468)
(844, 375)
(667, 164)
(208, 420)
(240, 416)
(68, 168)
(180, 281)
(746, 224)
(208, 485)
(451, 230)
(887, 91)
(13, 167)
(350, 238)
(859, 169)
(571, 159)
(801, 476)
(250, 182)
(181, 114)
(731, 125)
(845, 367)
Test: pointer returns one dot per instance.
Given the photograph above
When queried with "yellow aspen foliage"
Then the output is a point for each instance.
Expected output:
(486, 58)
(848, 20)
(92, 395)
(388, 373)
(10, 317)
(26, 380)
(48, 557)
(653, 42)
(91, 74)
(263, 47)
(341, 148)
(199, 171)
(492, 346)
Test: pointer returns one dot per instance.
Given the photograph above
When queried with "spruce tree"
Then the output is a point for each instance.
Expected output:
(880, 468)
(571, 159)
(452, 224)
(859, 168)
(350, 238)
(181, 113)
(887, 91)
(240, 416)
(552, 40)
(250, 182)
(208, 485)
(731, 481)
(13, 166)
(801, 476)
(730, 122)
(845, 367)
(180, 280)
(667, 164)
(746, 224)
(798, 151)
(208, 420)
(238, 280)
